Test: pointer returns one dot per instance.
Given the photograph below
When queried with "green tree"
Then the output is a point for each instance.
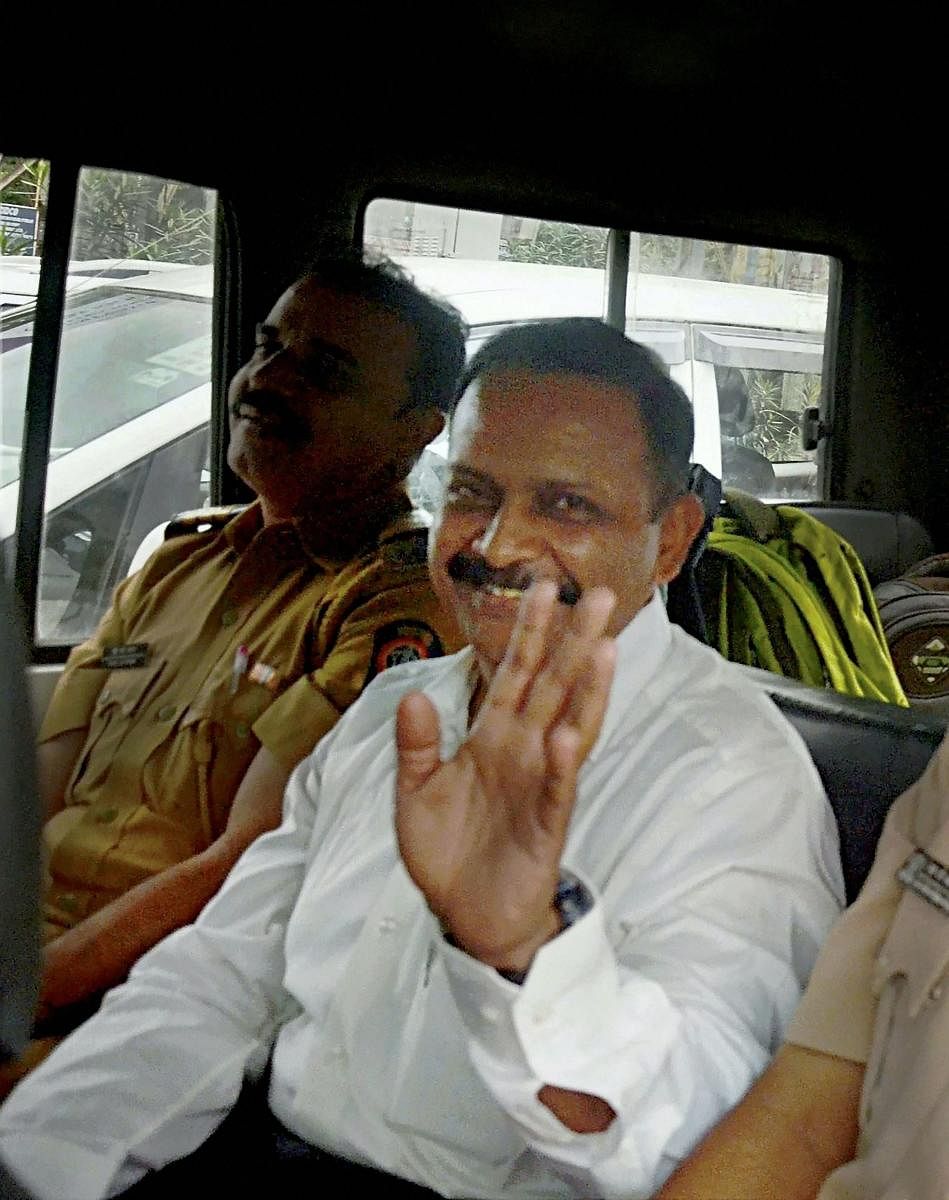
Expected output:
(24, 181)
(558, 243)
(123, 215)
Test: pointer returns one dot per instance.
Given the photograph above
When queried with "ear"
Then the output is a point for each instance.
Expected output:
(678, 527)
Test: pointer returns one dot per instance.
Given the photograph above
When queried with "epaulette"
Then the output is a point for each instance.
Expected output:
(404, 542)
(202, 520)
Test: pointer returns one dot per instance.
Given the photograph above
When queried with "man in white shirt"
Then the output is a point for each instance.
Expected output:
(537, 913)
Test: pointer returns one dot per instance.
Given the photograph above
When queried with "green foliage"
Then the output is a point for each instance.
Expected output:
(561, 244)
(122, 215)
(779, 399)
(24, 181)
(119, 214)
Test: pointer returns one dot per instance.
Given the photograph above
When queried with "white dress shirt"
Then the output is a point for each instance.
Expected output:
(701, 829)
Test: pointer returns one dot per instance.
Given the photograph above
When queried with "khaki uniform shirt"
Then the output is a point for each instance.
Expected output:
(879, 995)
(224, 642)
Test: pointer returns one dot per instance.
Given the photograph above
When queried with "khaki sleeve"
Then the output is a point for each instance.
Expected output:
(400, 622)
(838, 1010)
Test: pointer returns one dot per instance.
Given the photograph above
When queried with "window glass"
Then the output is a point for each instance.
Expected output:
(741, 328)
(497, 269)
(132, 402)
(755, 322)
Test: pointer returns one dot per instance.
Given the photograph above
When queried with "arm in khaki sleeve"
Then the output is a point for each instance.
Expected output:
(100, 951)
(796, 1125)
(379, 624)
(55, 761)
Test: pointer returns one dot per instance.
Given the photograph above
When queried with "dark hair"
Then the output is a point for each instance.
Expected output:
(438, 326)
(585, 346)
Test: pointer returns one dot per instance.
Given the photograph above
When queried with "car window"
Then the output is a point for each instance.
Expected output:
(740, 328)
(90, 541)
(132, 401)
(122, 353)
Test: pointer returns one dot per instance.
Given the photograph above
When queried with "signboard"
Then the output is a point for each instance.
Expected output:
(18, 221)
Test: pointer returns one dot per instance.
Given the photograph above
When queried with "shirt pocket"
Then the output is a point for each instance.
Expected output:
(118, 704)
(909, 978)
(219, 726)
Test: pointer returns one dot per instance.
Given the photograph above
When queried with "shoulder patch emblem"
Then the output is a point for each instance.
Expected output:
(402, 642)
(407, 552)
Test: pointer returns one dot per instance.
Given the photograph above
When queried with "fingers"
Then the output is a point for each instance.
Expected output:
(525, 649)
(417, 740)
(590, 695)
(570, 660)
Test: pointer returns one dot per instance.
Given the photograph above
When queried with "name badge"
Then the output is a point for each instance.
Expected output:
(927, 878)
(122, 658)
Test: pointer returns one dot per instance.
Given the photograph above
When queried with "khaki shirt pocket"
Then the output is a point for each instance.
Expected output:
(219, 725)
(117, 705)
(912, 992)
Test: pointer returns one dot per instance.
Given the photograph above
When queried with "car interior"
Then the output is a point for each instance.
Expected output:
(775, 126)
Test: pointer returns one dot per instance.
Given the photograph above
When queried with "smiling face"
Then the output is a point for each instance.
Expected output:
(315, 413)
(549, 478)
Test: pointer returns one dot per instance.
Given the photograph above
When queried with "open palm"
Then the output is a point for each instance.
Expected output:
(482, 834)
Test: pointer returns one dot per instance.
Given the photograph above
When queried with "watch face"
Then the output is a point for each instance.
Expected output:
(572, 899)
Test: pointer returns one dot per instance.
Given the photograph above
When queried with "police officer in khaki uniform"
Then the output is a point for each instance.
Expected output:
(173, 731)
(856, 1105)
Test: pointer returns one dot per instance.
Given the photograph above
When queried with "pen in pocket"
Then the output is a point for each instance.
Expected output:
(239, 668)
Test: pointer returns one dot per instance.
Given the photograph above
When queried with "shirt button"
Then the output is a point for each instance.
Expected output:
(541, 1015)
(490, 1014)
(229, 616)
(935, 992)
(388, 925)
(242, 729)
(69, 903)
(105, 815)
(166, 712)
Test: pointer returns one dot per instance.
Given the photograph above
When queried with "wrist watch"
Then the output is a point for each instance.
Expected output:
(571, 901)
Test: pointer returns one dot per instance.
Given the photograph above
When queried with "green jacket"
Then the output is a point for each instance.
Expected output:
(783, 591)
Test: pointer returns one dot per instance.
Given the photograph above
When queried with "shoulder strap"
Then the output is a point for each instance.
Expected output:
(202, 520)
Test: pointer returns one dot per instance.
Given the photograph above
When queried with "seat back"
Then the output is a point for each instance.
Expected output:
(866, 753)
(887, 542)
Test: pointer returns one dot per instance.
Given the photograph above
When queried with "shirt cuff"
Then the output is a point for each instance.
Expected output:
(569, 1025)
(570, 987)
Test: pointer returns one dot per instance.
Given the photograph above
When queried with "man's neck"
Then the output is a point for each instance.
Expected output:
(336, 531)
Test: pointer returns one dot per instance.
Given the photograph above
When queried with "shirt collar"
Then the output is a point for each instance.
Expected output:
(641, 647)
(242, 529)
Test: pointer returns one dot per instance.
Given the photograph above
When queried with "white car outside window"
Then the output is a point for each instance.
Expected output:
(130, 431)
(717, 340)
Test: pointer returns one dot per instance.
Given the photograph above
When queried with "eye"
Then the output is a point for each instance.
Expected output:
(469, 494)
(571, 506)
(327, 373)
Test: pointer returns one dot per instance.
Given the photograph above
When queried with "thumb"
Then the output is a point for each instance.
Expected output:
(417, 740)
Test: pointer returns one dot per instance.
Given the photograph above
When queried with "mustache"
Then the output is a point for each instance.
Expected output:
(473, 570)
